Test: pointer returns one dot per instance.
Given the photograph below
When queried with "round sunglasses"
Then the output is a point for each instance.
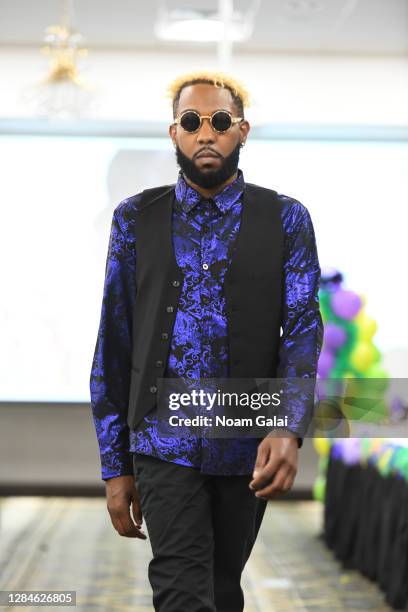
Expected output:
(220, 120)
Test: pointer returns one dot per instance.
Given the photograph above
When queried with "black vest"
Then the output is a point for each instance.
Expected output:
(253, 287)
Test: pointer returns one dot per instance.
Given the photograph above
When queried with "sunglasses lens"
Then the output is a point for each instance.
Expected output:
(221, 121)
(190, 122)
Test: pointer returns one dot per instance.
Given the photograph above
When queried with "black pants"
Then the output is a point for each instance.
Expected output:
(202, 529)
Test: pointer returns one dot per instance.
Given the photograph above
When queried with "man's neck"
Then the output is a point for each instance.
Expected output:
(209, 193)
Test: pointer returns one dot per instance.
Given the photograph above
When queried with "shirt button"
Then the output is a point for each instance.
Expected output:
(153, 389)
(176, 283)
(159, 363)
(169, 308)
(205, 266)
(164, 335)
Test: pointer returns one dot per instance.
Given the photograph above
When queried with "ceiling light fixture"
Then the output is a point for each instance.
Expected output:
(202, 25)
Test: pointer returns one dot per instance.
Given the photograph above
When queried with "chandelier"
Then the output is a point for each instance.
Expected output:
(63, 93)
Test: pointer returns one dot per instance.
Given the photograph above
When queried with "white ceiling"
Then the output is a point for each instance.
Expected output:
(372, 27)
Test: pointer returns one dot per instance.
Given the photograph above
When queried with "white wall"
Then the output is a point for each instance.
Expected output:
(308, 89)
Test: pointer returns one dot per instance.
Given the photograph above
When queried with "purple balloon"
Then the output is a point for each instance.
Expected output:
(334, 336)
(345, 304)
(398, 408)
(325, 363)
(351, 450)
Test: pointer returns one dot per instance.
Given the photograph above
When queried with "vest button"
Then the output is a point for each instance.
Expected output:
(176, 283)
(165, 336)
(169, 308)
(153, 389)
(159, 363)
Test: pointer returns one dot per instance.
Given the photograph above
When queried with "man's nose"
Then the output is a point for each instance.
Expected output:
(205, 134)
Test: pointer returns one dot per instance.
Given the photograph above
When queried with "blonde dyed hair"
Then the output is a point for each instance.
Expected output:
(218, 79)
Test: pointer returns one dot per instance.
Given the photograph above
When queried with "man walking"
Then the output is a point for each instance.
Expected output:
(209, 278)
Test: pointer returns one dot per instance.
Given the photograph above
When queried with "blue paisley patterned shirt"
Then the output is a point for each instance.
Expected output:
(203, 231)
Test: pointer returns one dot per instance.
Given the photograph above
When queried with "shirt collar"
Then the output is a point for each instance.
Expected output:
(189, 197)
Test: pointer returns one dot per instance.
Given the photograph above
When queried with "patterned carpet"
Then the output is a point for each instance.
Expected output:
(69, 543)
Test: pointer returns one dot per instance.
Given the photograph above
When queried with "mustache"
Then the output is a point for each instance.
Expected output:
(206, 150)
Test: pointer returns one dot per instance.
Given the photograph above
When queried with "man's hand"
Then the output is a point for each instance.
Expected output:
(276, 465)
(121, 492)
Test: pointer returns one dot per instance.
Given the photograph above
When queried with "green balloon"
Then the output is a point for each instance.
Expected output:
(377, 355)
(379, 378)
(376, 411)
(323, 463)
(319, 489)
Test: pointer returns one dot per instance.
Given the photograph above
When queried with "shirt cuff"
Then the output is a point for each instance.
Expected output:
(116, 463)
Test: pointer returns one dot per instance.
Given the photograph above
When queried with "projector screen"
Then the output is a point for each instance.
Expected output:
(57, 198)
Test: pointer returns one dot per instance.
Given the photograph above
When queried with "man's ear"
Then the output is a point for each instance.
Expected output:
(244, 129)
(172, 133)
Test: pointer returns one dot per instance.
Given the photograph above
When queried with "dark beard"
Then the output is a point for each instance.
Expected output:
(210, 178)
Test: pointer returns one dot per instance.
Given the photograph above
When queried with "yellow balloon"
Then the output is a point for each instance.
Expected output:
(375, 445)
(366, 326)
(362, 356)
(384, 460)
(322, 446)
